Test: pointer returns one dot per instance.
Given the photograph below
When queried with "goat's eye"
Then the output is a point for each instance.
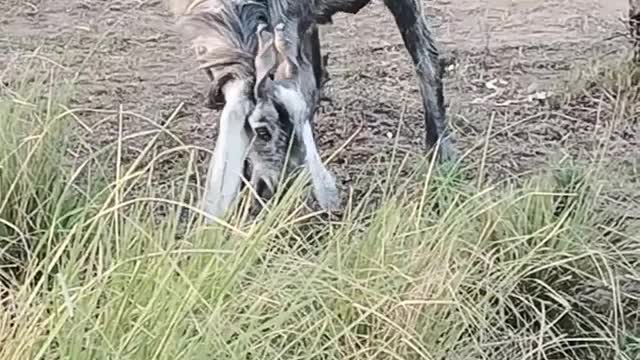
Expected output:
(262, 131)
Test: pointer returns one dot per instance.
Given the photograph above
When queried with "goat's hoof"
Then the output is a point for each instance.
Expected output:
(446, 153)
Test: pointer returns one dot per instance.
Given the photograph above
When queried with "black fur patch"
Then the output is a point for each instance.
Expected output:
(284, 118)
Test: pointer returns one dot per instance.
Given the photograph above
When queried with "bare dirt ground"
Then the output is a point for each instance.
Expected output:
(124, 53)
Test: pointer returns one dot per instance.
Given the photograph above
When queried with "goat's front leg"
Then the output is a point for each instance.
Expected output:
(424, 54)
(226, 167)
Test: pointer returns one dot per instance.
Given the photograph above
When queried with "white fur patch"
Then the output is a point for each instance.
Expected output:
(225, 169)
(295, 103)
(324, 185)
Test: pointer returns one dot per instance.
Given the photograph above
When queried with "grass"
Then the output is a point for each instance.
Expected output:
(442, 268)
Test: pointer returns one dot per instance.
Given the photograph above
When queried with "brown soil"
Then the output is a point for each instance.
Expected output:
(124, 53)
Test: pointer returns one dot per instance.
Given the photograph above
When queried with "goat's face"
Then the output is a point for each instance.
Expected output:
(275, 149)
(281, 106)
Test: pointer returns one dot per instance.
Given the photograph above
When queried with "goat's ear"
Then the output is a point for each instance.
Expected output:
(287, 48)
(265, 61)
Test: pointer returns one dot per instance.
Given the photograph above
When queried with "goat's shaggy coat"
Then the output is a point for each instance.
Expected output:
(225, 34)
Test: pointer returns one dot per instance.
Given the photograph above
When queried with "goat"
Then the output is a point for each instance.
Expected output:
(228, 33)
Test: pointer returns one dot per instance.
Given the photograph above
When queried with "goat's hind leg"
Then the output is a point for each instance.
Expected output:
(424, 54)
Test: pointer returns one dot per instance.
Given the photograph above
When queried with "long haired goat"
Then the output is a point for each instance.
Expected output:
(226, 36)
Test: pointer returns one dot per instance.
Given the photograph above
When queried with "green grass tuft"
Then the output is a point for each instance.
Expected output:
(440, 269)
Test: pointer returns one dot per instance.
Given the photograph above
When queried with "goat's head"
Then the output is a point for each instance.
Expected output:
(267, 100)
(270, 112)
(283, 104)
